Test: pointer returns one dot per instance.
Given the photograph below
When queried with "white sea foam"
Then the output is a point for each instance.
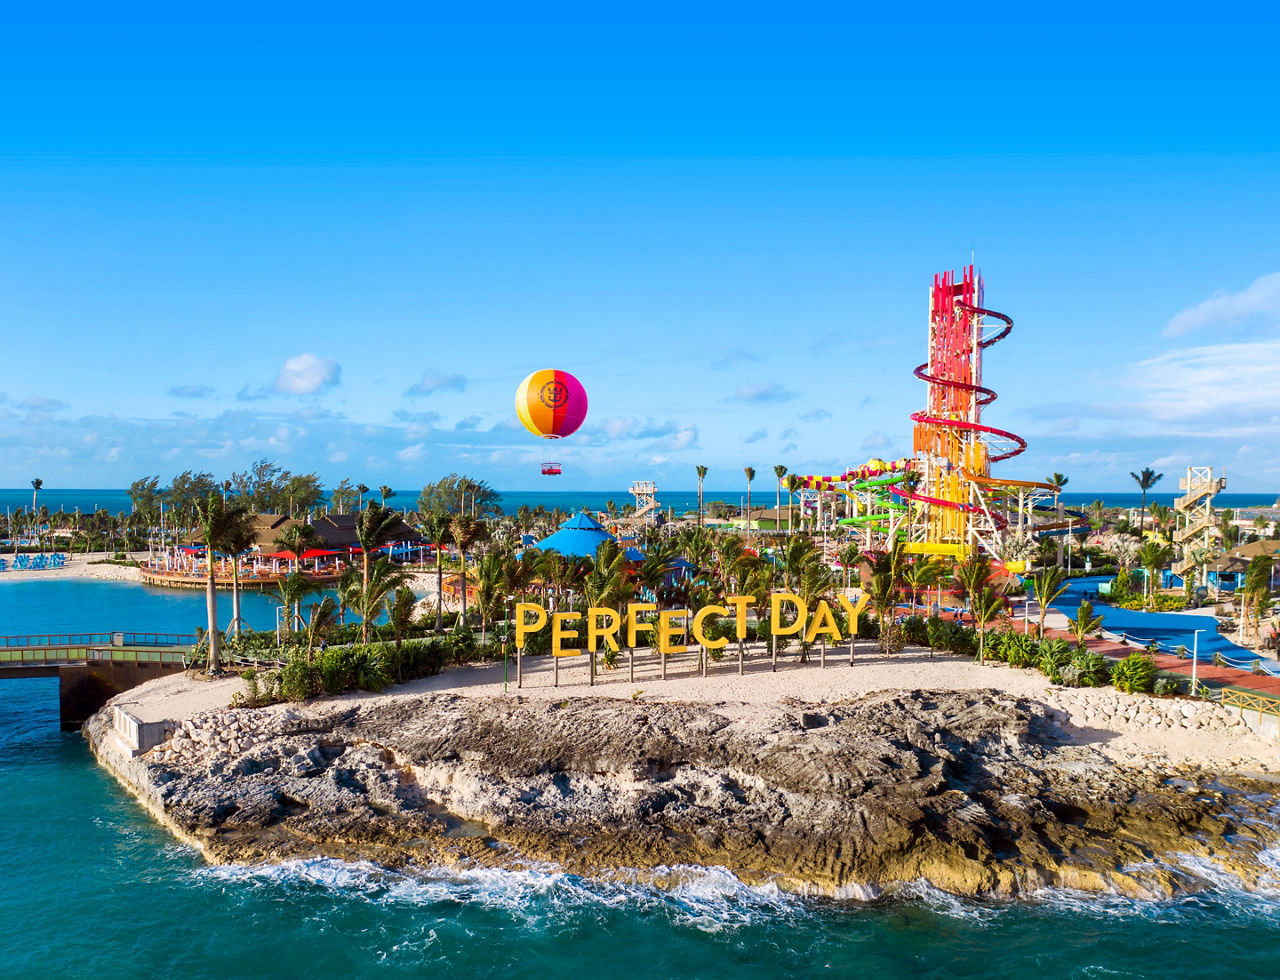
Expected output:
(713, 899)
(708, 899)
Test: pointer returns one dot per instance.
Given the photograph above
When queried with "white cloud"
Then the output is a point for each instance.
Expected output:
(815, 415)
(307, 374)
(730, 358)
(39, 403)
(685, 438)
(191, 391)
(1198, 382)
(412, 454)
(433, 381)
(1260, 298)
(765, 391)
(756, 436)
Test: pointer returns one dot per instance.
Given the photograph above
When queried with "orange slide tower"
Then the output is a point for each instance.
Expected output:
(959, 506)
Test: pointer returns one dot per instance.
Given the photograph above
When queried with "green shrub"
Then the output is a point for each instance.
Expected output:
(1135, 673)
(1085, 669)
(996, 642)
(422, 658)
(261, 687)
(337, 669)
(962, 640)
(1021, 650)
(936, 633)
(1167, 685)
(915, 631)
(299, 679)
(1055, 654)
(461, 644)
(370, 669)
(1160, 603)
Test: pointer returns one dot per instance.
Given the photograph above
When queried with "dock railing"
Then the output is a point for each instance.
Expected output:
(115, 638)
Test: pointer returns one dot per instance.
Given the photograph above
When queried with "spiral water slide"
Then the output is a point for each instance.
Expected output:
(873, 481)
(957, 447)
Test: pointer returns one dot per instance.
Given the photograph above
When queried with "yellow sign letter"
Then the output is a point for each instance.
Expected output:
(524, 628)
(608, 632)
(776, 626)
(700, 618)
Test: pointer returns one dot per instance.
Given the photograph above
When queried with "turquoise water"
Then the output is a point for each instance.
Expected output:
(29, 605)
(92, 887)
(570, 500)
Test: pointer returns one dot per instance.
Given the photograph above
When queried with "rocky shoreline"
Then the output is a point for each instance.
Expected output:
(979, 793)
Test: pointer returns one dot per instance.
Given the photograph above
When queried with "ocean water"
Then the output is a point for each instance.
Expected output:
(681, 501)
(93, 887)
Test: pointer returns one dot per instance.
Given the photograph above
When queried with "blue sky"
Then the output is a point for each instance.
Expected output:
(340, 236)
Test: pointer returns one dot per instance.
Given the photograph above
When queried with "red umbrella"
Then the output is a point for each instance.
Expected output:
(282, 554)
(317, 553)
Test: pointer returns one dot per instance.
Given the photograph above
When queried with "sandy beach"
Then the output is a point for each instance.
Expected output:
(80, 566)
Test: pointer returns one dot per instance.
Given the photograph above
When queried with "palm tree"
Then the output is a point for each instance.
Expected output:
(374, 527)
(1146, 480)
(1048, 584)
(779, 471)
(466, 531)
(400, 612)
(972, 574)
(385, 492)
(490, 578)
(323, 616)
(384, 579)
(702, 475)
(1057, 479)
(793, 483)
(1255, 599)
(985, 606)
(290, 591)
(921, 576)
(36, 484)
(793, 557)
(238, 540)
(217, 521)
(1151, 558)
(816, 583)
(849, 556)
(1085, 624)
(1096, 510)
(884, 599)
(361, 489)
(434, 526)
(751, 475)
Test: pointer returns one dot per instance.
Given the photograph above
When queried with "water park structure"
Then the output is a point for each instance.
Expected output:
(944, 500)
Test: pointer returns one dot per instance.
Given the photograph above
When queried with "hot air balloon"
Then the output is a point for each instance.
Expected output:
(551, 404)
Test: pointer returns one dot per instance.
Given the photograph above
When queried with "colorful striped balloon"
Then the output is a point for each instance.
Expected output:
(551, 404)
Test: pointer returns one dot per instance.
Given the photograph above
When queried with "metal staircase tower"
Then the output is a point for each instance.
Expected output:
(1195, 507)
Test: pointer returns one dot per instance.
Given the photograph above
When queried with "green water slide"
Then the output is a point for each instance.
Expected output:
(879, 488)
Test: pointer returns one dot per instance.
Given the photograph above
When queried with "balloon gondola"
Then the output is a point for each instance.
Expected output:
(551, 404)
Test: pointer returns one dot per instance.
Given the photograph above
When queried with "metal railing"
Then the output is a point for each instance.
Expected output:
(72, 655)
(118, 638)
